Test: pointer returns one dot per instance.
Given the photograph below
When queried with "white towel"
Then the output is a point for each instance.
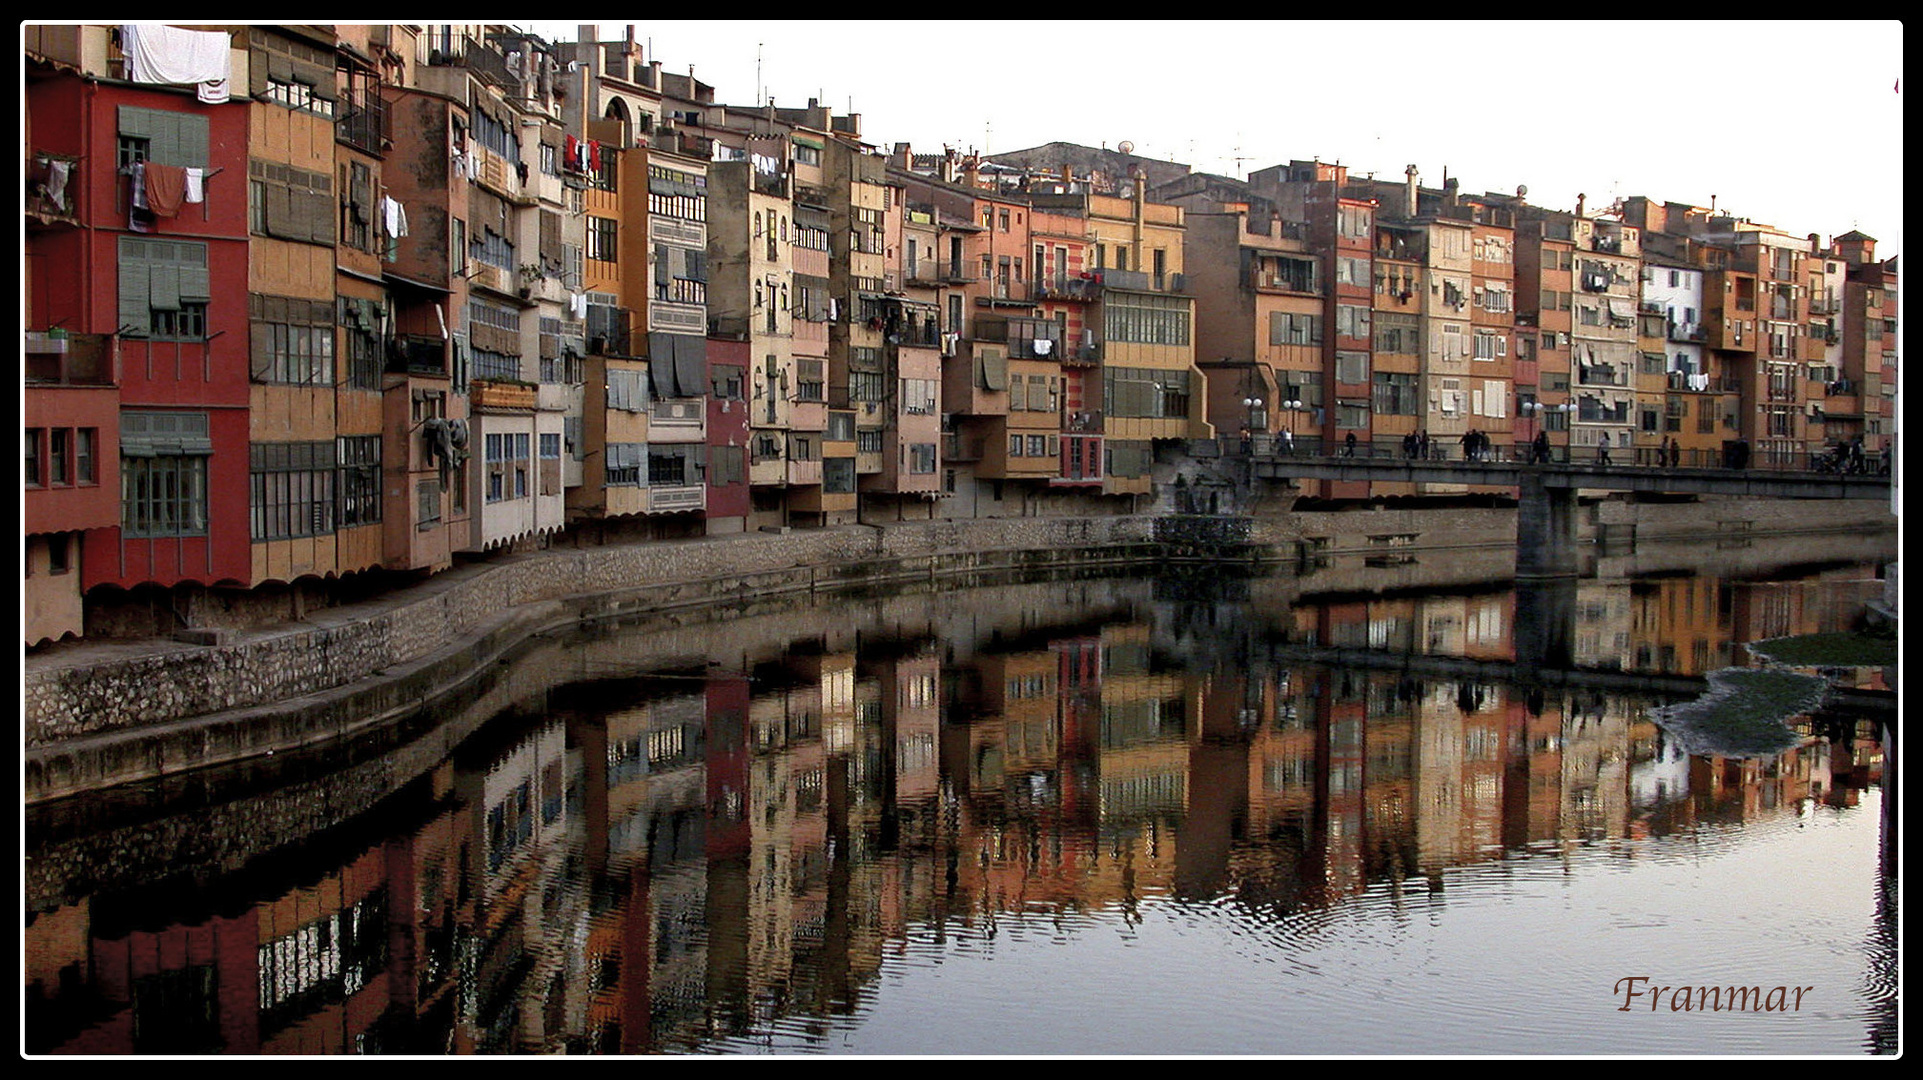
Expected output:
(394, 217)
(195, 179)
(157, 53)
(57, 183)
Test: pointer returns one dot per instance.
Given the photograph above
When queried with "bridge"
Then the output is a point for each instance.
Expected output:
(1546, 493)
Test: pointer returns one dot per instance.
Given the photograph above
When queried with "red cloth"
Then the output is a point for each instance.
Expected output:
(166, 189)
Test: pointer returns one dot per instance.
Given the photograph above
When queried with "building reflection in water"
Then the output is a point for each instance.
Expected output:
(656, 862)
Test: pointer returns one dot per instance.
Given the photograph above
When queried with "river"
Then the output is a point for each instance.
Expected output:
(1317, 811)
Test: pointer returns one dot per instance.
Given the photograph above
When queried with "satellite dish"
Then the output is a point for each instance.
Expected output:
(1521, 190)
(1126, 147)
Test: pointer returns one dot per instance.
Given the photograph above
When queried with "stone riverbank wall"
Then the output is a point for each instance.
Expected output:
(135, 712)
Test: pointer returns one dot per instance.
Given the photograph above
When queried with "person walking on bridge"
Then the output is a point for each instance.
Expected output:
(1602, 451)
(1542, 447)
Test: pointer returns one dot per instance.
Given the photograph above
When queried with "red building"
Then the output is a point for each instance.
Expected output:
(151, 303)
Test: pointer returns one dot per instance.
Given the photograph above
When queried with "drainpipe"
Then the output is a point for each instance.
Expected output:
(1141, 193)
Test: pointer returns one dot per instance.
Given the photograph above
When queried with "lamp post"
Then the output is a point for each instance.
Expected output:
(1289, 408)
(1251, 406)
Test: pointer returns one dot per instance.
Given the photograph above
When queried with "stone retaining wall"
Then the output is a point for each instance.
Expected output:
(344, 645)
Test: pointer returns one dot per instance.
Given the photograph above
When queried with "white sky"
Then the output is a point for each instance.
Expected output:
(1795, 124)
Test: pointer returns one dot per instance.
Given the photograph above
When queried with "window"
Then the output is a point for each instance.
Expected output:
(1149, 320)
(601, 239)
(163, 473)
(292, 489)
(291, 341)
(360, 479)
(1288, 328)
(624, 464)
(164, 289)
(161, 136)
(58, 548)
(1351, 367)
(1351, 321)
(867, 386)
(427, 499)
(921, 458)
(1003, 219)
(86, 443)
(357, 207)
(360, 323)
(1396, 394)
(676, 193)
(34, 477)
(838, 476)
(868, 441)
(494, 249)
(298, 96)
(918, 396)
(810, 380)
(1490, 345)
(291, 203)
(507, 466)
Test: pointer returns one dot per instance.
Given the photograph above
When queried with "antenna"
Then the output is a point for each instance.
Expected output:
(758, 101)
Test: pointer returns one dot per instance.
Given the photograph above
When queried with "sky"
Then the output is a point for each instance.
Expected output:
(1793, 124)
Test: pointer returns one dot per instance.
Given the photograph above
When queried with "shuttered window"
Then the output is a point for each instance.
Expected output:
(164, 288)
(169, 138)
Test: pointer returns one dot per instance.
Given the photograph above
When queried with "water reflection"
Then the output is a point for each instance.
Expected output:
(729, 853)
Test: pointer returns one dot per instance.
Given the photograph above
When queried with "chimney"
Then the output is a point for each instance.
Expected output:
(1451, 187)
(1580, 199)
(1409, 192)
(1816, 244)
(972, 171)
(903, 158)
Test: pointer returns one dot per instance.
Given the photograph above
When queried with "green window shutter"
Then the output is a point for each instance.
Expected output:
(194, 285)
(163, 286)
(261, 350)
(135, 314)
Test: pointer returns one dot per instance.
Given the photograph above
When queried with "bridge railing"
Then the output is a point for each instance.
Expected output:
(1728, 456)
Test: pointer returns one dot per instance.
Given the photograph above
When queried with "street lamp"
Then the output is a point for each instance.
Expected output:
(1289, 408)
(1252, 405)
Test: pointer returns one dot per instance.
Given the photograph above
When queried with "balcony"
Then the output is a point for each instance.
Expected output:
(417, 354)
(1085, 354)
(775, 184)
(52, 181)
(1826, 304)
(679, 497)
(362, 123)
(957, 274)
(958, 447)
(501, 396)
(1687, 332)
(925, 274)
(677, 414)
(1082, 422)
(1067, 288)
(55, 358)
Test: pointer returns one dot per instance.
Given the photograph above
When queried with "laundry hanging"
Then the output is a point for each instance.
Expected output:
(157, 53)
(166, 188)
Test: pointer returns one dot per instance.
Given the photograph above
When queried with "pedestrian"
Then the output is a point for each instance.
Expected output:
(1422, 442)
(1409, 445)
(1662, 454)
(1675, 454)
(1602, 451)
(1348, 445)
(1288, 441)
(1542, 447)
(1469, 445)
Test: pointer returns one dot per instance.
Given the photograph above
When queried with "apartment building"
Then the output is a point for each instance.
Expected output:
(137, 395)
